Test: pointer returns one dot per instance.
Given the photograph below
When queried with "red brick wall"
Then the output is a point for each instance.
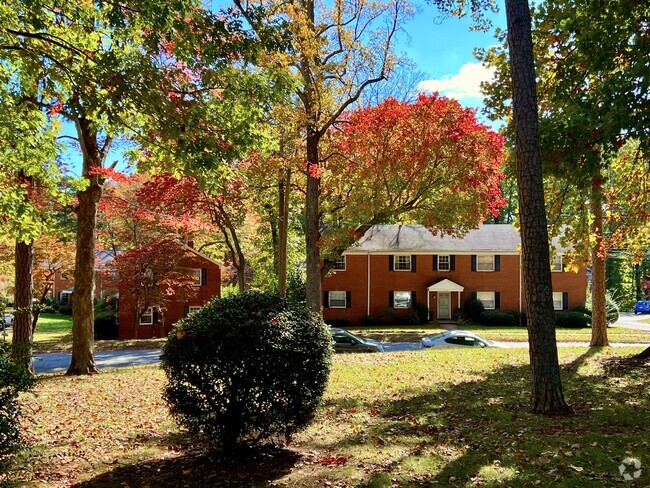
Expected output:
(506, 281)
(175, 308)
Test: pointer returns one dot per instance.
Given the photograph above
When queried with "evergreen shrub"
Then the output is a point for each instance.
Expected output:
(13, 380)
(473, 309)
(572, 320)
(246, 369)
(497, 319)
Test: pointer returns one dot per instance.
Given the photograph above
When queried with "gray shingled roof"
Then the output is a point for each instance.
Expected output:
(417, 238)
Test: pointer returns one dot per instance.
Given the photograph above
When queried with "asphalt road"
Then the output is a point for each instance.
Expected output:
(59, 362)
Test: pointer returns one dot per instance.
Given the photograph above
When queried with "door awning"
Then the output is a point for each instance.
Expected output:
(445, 284)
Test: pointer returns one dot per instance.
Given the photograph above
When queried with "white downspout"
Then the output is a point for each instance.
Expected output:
(368, 301)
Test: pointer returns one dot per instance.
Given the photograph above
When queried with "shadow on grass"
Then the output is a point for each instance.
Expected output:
(195, 467)
(482, 432)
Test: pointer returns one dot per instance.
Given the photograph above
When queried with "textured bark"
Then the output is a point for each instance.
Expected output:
(283, 230)
(598, 306)
(21, 351)
(547, 395)
(312, 222)
(83, 308)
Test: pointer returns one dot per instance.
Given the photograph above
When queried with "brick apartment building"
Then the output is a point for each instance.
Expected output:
(397, 266)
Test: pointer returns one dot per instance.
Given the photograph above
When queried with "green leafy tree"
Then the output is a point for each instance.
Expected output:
(110, 69)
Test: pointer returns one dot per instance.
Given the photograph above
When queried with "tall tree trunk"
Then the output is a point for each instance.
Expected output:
(24, 289)
(283, 230)
(312, 222)
(547, 395)
(598, 307)
(83, 308)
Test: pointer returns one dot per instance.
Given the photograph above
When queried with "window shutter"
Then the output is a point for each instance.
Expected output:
(413, 263)
(186, 311)
(562, 263)
(565, 300)
(391, 299)
(413, 299)
(391, 261)
(155, 315)
(473, 262)
(204, 276)
(348, 299)
(497, 300)
(435, 262)
(474, 295)
(497, 263)
(326, 299)
(452, 263)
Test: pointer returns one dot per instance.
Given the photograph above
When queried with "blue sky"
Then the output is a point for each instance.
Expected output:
(443, 49)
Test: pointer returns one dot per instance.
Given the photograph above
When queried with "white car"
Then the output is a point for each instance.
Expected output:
(456, 338)
(7, 320)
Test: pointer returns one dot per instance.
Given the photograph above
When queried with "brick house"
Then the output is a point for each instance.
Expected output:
(397, 266)
(158, 323)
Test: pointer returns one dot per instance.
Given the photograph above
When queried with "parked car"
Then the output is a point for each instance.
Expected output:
(7, 320)
(642, 306)
(346, 342)
(456, 338)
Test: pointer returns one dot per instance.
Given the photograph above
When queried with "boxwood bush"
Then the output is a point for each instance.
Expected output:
(572, 320)
(13, 380)
(473, 309)
(246, 369)
(498, 319)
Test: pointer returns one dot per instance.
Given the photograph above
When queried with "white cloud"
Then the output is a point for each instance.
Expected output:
(465, 84)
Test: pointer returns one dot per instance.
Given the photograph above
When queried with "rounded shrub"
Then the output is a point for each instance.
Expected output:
(246, 369)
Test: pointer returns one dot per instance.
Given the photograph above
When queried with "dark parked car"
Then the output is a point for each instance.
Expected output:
(642, 306)
(346, 342)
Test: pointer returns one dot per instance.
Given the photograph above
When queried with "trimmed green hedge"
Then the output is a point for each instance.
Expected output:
(497, 319)
(572, 320)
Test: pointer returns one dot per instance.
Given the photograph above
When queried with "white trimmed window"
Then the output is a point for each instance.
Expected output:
(487, 299)
(558, 303)
(402, 262)
(402, 299)
(196, 274)
(444, 263)
(337, 299)
(339, 265)
(193, 309)
(556, 264)
(147, 317)
(485, 263)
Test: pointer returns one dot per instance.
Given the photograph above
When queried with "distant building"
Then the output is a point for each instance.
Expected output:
(397, 266)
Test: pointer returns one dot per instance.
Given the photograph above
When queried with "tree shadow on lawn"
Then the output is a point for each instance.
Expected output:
(198, 467)
(482, 432)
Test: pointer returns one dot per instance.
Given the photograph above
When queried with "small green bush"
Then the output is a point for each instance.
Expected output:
(65, 310)
(367, 320)
(520, 318)
(497, 319)
(413, 319)
(387, 316)
(422, 312)
(572, 320)
(246, 368)
(13, 380)
(473, 309)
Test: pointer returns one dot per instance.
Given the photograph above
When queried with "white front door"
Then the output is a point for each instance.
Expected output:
(444, 305)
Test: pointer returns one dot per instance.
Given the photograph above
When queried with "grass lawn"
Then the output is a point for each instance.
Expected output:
(413, 333)
(412, 419)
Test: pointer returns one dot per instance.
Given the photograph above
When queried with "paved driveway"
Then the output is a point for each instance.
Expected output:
(59, 362)
(631, 321)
